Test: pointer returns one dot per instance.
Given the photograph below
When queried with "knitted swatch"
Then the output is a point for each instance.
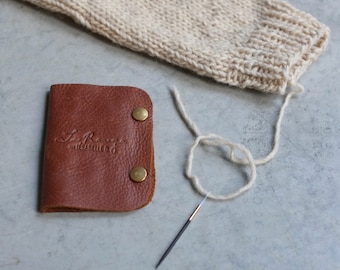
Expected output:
(259, 44)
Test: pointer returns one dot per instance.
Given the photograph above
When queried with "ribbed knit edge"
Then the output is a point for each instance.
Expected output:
(312, 36)
(279, 50)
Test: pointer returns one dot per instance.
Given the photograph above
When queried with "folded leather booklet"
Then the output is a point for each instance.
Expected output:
(99, 153)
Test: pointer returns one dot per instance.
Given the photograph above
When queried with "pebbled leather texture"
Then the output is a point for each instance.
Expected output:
(92, 142)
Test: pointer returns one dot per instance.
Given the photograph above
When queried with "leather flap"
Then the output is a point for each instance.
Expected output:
(99, 153)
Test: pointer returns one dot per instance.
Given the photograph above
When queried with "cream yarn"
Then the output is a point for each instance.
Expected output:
(260, 44)
(216, 140)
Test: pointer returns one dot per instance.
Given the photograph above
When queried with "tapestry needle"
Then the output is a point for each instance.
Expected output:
(179, 234)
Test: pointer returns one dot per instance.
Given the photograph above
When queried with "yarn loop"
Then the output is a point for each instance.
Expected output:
(217, 141)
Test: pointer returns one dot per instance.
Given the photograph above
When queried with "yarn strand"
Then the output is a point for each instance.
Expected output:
(181, 109)
(216, 140)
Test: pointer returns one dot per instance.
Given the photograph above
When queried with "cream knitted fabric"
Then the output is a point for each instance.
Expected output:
(260, 44)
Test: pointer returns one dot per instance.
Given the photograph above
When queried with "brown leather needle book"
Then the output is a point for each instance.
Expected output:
(99, 153)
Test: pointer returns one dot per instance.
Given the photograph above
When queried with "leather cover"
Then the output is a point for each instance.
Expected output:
(92, 143)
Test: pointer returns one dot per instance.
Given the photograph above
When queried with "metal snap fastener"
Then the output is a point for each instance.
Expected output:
(140, 114)
(138, 174)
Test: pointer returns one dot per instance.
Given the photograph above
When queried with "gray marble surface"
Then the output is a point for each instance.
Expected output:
(290, 219)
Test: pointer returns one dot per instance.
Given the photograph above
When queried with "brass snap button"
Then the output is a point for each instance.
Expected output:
(138, 174)
(140, 114)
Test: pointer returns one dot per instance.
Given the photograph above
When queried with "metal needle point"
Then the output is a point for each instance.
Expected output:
(179, 234)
